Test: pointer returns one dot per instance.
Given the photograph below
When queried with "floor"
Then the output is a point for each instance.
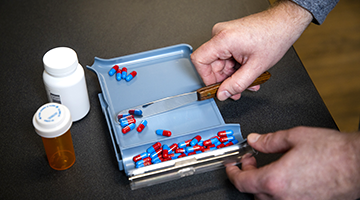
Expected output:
(331, 55)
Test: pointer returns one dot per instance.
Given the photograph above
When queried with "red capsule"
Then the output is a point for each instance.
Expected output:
(191, 153)
(221, 146)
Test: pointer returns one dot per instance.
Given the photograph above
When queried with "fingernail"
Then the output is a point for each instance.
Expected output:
(224, 95)
(253, 137)
(252, 89)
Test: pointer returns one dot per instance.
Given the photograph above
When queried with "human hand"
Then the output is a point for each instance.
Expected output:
(242, 49)
(318, 164)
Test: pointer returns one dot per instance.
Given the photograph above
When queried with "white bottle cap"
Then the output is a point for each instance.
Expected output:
(60, 61)
(52, 120)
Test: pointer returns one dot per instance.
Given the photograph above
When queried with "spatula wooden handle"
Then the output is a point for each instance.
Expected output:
(209, 91)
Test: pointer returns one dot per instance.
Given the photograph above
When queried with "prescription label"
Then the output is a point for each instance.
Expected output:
(55, 98)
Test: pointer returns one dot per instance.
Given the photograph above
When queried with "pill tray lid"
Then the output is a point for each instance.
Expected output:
(160, 73)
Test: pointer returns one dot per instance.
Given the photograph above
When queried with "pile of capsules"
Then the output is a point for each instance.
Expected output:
(122, 73)
(160, 153)
(128, 123)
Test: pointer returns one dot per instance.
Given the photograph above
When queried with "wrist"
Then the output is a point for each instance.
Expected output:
(291, 18)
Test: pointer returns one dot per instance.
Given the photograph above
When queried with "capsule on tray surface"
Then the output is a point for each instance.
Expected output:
(195, 140)
(118, 74)
(136, 112)
(225, 133)
(113, 70)
(128, 128)
(141, 126)
(154, 147)
(140, 156)
(227, 138)
(123, 73)
(163, 132)
(131, 76)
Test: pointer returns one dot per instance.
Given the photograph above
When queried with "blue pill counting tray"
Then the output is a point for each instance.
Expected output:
(162, 73)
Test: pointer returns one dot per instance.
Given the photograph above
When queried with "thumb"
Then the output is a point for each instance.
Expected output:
(278, 142)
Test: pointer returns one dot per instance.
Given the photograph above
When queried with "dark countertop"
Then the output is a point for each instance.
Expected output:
(108, 29)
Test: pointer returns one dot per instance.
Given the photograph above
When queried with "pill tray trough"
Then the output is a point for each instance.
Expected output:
(160, 73)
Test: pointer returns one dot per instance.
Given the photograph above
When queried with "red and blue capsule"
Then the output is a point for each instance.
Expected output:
(154, 147)
(141, 126)
(194, 148)
(123, 73)
(227, 138)
(131, 76)
(165, 151)
(136, 112)
(128, 128)
(126, 117)
(156, 160)
(140, 156)
(180, 150)
(113, 70)
(174, 155)
(118, 74)
(210, 141)
(163, 132)
(122, 115)
(142, 161)
(184, 144)
(142, 164)
(156, 153)
(195, 140)
(173, 147)
(232, 142)
(125, 121)
(225, 133)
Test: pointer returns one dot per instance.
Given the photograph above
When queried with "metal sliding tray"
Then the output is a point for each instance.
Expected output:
(161, 73)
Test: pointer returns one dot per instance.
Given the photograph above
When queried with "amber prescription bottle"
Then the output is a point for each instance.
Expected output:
(52, 122)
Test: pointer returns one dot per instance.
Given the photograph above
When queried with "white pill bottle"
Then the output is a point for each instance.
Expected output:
(64, 81)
